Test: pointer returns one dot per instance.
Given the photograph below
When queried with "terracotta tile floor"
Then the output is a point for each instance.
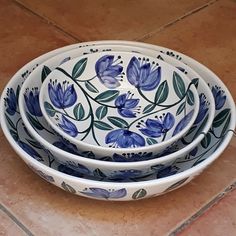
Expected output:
(202, 29)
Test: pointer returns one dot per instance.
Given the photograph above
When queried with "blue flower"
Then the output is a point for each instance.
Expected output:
(132, 157)
(62, 96)
(203, 108)
(219, 96)
(31, 151)
(183, 123)
(68, 127)
(164, 171)
(126, 105)
(142, 76)
(66, 146)
(73, 169)
(32, 102)
(103, 193)
(156, 128)
(124, 139)
(11, 102)
(108, 72)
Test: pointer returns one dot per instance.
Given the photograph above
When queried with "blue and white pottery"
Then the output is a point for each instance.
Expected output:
(119, 102)
(42, 162)
(68, 154)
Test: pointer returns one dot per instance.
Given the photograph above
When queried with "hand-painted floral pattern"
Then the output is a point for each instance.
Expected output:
(68, 127)
(32, 102)
(103, 193)
(62, 96)
(11, 102)
(132, 157)
(124, 138)
(126, 105)
(203, 108)
(219, 97)
(108, 72)
(157, 128)
(65, 145)
(142, 75)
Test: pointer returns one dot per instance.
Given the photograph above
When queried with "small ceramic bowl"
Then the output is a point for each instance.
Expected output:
(42, 162)
(119, 102)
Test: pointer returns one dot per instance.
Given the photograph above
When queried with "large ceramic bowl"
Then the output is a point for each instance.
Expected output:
(43, 163)
(69, 155)
(119, 102)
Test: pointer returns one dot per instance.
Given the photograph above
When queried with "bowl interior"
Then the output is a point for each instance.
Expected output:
(119, 100)
(64, 150)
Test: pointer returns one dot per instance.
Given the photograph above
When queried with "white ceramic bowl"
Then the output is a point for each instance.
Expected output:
(132, 108)
(68, 154)
(45, 166)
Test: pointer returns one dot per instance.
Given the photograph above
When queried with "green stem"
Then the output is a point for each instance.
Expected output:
(87, 79)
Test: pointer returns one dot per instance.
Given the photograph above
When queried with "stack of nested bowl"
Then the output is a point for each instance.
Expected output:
(117, 120)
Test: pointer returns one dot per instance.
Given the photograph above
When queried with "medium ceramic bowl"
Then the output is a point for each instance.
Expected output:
(43, 163)
(68, 154)
(119, 102)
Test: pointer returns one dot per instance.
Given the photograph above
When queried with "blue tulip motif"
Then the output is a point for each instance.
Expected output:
(219, 96)
(68, 127)
(108, 71)
(31, 151)
(155, 128)
(166, 171)
(11, 102)
(66, 146)
(126, 105)
(142, 75)
(125, 175)
(103, 193)
(124, 138)
(62, 95)
(73, 169)
(132, 157)
(203, 108)
(32, 102)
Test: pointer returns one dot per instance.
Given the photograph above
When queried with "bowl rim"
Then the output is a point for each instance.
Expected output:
(96, 148)
(187, 173)
(103, 163)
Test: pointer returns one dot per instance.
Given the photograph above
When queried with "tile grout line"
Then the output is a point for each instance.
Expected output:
(46, 20)
(15, 220)
(150, 34)
(203, 210)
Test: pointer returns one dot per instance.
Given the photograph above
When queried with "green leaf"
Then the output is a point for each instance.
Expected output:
(179, 85)
(220, 118)
(67, 187)
(141, 193)
(224, 130)
(34, 144)
(102, 125)
(148, 108)
(107, 96)
(17, 94)
(91, 87)
(10, 122)
(162, 93)
(206, 141)
(79, 68)
(79, 111)
(117, 121)
(175, 185)
(45, 72)
(180, 108)
(191, 130)
(190, 98)
(201, 127)
(151, 141)
(34, 122)
(101, 112)
(195, 82)
(49, 109)
(14, 135)
(98, 173)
